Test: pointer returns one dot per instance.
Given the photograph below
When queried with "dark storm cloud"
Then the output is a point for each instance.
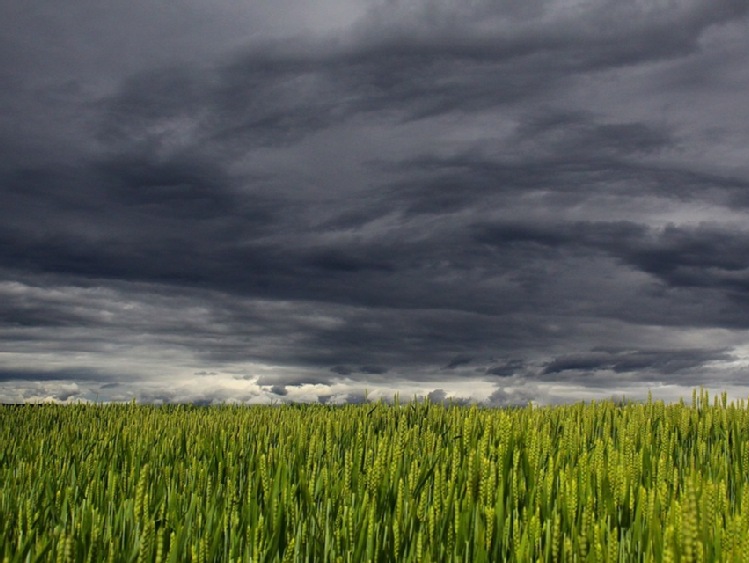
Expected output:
(579, 134)
(512, 398)
(440, 396)
(180, 187)
(262, 101)
(506, 369)
(366, 370)
(706, 255)
(442, 186)
(400, 201)
(279, 390)
(336, 261)
(405, 338)
(624, 361)
(566, 158)
(459, 361)
(437, 396)
(279, 94)
(373, 370)
(88, 375)
(405, 59)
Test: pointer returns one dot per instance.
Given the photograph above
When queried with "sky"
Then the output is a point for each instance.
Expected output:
(274, 201)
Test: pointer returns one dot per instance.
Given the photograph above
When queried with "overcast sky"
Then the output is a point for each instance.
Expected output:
(284, 200)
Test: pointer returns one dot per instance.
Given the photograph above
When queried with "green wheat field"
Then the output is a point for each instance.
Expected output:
(376, 482)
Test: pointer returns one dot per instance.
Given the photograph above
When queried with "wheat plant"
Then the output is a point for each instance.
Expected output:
(376, 482)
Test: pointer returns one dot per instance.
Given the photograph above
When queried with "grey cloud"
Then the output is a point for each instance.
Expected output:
(698, 257)
(279, 390)
(278, 95)
(355, 398)
(506, 369)
(178, 189)
(580, 134)
(181, 188)
(624, 361)
(366, 370)
(459, 361)
(337, 261)
(293, 379)
(373, 370)
(198, 397)
(375, 205)
(604, 34)
(35, 392)
(81, 374)
(502, 397)
(437, 396)
(701, 256)
(458, 401)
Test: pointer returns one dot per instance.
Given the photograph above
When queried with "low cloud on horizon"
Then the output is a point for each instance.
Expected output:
(494, 201)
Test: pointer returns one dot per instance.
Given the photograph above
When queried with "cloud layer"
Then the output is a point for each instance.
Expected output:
(496, 201)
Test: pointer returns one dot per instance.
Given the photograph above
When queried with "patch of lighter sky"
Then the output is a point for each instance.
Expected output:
(694, 214)
(686, 337)
(656, 212)
(246, 375)
(188, 387)
(740, 352)
(475, 390)
(41, 392)
(110, 361)
(548, 207)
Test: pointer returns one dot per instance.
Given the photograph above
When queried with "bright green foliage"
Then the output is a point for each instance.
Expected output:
(420, 482)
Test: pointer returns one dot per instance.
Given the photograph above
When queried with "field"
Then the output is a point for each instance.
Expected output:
(376, 482)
